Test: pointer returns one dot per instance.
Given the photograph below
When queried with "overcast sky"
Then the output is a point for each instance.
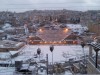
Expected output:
(23, 5)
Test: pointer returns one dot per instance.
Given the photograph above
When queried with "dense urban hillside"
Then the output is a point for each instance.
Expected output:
(42, 17)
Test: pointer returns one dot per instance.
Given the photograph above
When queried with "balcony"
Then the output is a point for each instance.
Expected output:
(91, 66)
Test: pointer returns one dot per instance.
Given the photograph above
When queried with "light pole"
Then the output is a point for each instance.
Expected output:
(96, 50)
(47, 62)
(51, 49)
(84, 71)
(38, 52)
(83, 44)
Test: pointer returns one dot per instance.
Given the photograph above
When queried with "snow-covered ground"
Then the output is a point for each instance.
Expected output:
(27, 52)
(70, 51)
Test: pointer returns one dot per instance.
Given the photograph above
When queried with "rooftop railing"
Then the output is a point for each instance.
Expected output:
(93, 62)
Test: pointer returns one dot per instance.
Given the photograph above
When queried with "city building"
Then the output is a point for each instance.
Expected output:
(7, 45)
(52, 34)
(77, 28)
(2, 35)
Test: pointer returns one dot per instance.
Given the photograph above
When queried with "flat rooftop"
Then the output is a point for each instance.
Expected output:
(9, 45)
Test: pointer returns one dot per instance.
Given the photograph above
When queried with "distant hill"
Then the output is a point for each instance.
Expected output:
(89, 18)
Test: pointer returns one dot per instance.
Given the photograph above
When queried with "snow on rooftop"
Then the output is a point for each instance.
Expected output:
(1, 46)
(77, 28)
(4, 55)
(1, 31)
(13, 52)
(6, 25)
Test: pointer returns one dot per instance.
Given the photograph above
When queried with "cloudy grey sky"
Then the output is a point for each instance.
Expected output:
(23, 5)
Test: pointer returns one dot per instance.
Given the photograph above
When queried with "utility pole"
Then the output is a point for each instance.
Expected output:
(47, 62)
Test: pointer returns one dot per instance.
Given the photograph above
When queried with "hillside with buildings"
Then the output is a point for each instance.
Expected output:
(42, 17)
(45, 42)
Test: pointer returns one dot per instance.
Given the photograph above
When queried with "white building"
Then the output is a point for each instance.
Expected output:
(77, 28)
(26, 29)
